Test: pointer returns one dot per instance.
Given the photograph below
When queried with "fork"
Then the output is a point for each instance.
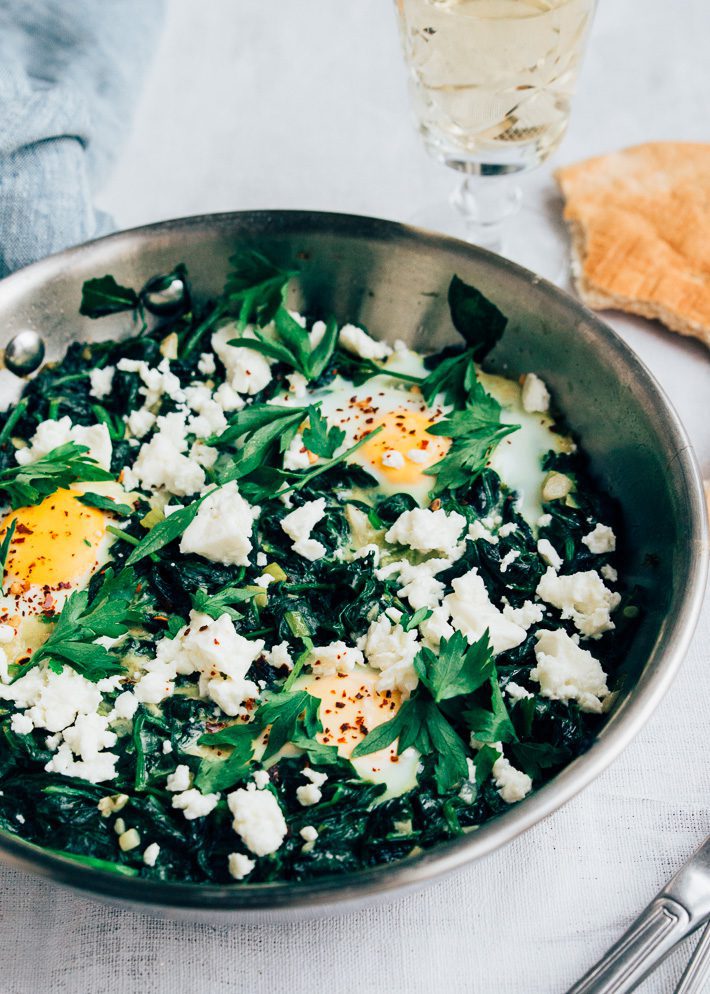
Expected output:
(679, 909)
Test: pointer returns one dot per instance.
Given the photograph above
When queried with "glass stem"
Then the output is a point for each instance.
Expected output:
(486, 203)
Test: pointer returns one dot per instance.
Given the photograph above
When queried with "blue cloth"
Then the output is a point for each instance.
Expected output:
(69, 74)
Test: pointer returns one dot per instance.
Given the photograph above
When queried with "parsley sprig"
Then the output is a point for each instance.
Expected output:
(22, 486)
(456, 672)
(80, 623)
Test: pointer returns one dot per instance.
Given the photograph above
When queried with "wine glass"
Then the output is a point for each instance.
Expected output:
(491, 83)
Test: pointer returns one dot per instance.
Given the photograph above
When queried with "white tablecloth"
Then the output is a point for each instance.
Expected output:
(303, 104)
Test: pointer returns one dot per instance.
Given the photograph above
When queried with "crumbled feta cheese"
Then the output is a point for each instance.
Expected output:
(296, 455)
(427, 531)
(129, 840)
(206, 364)
(549, 554)
(602, 539)
(390, 649)
(258, 819)
(157, 380)
(248, 372)
(311, 793)
(21, 724)
(526, 616)
(512, 784)
(308, 833)
(327, 660)
(151, 853)
(193, 804)
(214, 649)
(261, 779)
(97, 770)
(472, 613)
(221, 530)
(516, 692)
(368, 550)
(582, 597)
(89, 735)
(227, 398)
(419, 583)
(418, 456)
(125, 705)
(609, 573)
(239, 865)
(279, 656)
(261, 559)
(204, 455)
(208, 418)
(544, 520)
(508, 559)
(393, 459)
(179, 780)
(49, 435)
(161, 464)
(357, 341)
(265, 580)
(315, 335)
(140, 422)
(567, 672)
(507, 529)
(535, 395)
(436, 627)
(297, 384)
(478, 530)
(53, 700)
(167, 747)
(299, 524)
(101, 382)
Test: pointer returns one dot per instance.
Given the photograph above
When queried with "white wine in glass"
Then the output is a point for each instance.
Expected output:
(491, 83)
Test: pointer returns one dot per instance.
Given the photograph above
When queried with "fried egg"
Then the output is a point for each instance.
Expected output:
(55, 549)
(518, 457)
(351, 707)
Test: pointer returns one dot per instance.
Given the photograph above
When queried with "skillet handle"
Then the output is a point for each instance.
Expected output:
(682, 905)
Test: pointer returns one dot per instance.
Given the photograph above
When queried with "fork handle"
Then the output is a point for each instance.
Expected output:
(650, 938)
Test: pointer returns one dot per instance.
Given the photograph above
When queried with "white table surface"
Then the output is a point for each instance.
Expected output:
(274, 104)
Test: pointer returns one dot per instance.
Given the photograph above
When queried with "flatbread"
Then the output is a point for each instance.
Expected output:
(640, 225)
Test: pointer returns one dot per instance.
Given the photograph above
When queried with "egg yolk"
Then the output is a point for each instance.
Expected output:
(351, 708)
(404, 448)
(54, 542)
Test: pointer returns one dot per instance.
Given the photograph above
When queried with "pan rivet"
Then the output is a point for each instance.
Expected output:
(24, 353)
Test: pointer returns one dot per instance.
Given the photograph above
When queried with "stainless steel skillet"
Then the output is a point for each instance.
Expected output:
(393, 279)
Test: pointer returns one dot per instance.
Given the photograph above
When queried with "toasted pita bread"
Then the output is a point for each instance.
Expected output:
(640, 225)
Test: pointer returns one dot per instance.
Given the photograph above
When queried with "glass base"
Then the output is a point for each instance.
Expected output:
(533, 237)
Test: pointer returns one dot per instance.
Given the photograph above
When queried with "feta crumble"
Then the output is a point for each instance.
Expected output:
(390, 649)
(548, 554)
(248, 372)
(427, 531)
(222, 528)
(358, 342)
(194, 805)
(258, 819)
(581, 597)
(535, 395)
(239, 865)
(566, 672)
(472, 613)
(101, 382)
(49, 435)
(327, 660)
(600, 540)
(299, 524)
